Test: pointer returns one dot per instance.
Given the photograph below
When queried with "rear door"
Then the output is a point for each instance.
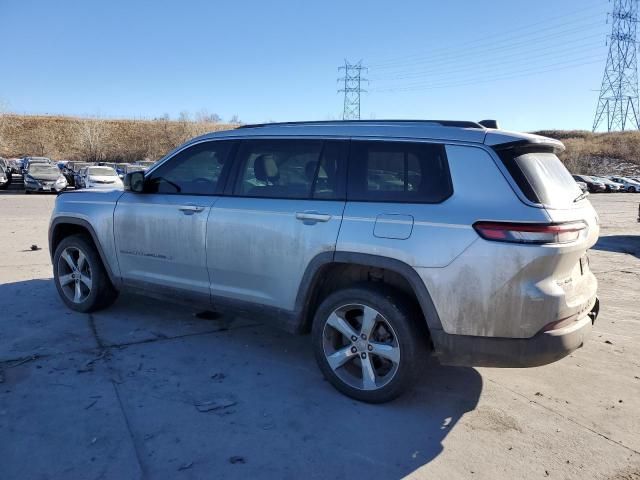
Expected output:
(160, 234)
(284, 207)
(397, 204)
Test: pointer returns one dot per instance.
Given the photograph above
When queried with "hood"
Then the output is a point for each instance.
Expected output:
(104, 178)
(48, 177)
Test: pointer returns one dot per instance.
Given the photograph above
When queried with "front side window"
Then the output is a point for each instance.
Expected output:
(300, 169)
(196, 170)
(398, 172)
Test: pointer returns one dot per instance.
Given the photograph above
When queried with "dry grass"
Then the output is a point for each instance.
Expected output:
(598, 153)
(96, 139)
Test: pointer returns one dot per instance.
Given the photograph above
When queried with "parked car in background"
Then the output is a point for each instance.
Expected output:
(593, 185)
(629, 184)
(67, 171)
(5, 173)
(121, 168)
(44, 177)
(146, 164)
(28, 161)
(583, 186)
(101, 177)
(15, 164)
(80, 176)
(610, 185)
(134, 167)
(5, 176)
(77, 170)
(480, 257)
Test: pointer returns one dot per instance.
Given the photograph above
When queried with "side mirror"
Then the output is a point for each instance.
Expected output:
(134, 182)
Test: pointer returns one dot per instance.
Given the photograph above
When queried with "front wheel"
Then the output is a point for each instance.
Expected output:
(367, 343)
(81, 279)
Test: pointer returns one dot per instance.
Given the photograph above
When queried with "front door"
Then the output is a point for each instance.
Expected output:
(285, 208)
(160, 234)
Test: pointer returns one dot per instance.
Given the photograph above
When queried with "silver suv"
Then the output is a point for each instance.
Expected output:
(385, 239)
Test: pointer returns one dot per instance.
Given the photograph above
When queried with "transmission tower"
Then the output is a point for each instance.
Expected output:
(618, 102)
(352, 88)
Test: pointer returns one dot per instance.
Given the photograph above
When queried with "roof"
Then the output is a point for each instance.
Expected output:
(446, 130)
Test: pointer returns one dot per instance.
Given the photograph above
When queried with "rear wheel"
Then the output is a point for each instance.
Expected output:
(367, 344)
(80, 276)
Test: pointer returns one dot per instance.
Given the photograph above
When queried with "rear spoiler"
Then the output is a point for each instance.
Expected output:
(502, 140)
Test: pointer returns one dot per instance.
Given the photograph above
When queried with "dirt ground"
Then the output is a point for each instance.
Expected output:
(147, 390)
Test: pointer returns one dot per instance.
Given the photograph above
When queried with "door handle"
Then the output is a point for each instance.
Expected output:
(190, 209)
(313, 217)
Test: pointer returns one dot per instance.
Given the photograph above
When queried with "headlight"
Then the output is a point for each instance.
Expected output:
(61, 180)
(29, 179)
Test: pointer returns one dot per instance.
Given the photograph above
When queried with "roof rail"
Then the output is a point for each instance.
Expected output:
(442, 123)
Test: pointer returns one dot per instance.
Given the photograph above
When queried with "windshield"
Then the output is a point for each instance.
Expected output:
(542, 177)
(43, 169)
(102, 171)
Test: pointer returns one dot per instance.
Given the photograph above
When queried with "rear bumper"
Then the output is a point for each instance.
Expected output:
(541, 349)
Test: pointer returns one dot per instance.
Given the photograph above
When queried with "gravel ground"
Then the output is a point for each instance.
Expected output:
(145, 390)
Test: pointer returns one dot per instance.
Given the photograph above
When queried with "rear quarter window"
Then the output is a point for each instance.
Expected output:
(408, 172)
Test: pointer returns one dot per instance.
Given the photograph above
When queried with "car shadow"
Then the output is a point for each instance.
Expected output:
(629, 244)
(285, 418)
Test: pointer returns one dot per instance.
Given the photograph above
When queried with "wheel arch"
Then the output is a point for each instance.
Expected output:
(321, 267)
(62, 227)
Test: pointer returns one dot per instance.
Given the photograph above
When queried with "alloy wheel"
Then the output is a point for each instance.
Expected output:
(361, 347)
(74, 274)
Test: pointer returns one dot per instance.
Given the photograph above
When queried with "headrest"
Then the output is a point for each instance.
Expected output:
(265, 168)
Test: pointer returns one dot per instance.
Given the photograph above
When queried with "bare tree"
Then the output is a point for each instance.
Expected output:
(92, 135)
(203, 116)
(235, 120)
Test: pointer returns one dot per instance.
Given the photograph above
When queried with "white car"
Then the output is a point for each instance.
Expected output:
(101, 177)
(629, 184)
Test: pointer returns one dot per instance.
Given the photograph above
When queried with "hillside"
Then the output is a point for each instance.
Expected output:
(95, 139)
(599, 153)
(129, 140)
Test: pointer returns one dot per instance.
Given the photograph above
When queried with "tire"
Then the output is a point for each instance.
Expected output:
(396, 327)
(70, 273)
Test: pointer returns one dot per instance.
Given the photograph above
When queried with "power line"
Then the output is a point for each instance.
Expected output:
(501, 39)
(550, 41)
(618, 100)
(352, 88)
(476, 81)
(503, 61)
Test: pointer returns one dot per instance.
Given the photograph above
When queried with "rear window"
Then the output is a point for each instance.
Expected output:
(398, 172)
(542, 177)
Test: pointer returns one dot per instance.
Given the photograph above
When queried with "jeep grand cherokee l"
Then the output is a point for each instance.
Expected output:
(384, 239)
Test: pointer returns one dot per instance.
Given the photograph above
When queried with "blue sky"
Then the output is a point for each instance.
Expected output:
(531, 65)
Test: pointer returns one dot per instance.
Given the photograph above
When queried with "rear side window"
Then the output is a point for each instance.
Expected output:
(398, 172)
(542, 177)
(297, 169)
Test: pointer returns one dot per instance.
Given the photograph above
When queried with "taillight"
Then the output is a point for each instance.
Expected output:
(536, 233)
